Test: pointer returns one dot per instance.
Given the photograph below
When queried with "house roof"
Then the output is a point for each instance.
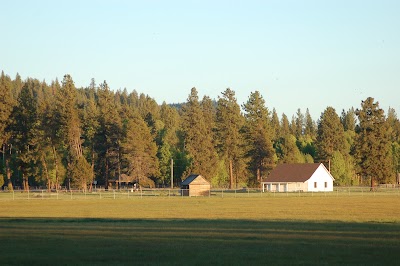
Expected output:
(190, 179)
(297, 172)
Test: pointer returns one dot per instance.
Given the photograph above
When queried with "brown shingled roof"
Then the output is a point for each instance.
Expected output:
(297, 172)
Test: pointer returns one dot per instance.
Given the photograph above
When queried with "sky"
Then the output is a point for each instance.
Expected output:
(297, 54)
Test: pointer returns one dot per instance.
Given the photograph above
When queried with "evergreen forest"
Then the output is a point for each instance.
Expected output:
(55, 135)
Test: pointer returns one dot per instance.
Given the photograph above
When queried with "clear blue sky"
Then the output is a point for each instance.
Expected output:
(298, 54)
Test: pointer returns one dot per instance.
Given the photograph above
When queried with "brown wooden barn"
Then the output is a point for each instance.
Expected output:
(195, 185)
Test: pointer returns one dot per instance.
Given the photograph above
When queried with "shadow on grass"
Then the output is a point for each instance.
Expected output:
(189, 241)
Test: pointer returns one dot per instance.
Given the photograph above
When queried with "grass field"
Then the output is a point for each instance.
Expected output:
(217, 231)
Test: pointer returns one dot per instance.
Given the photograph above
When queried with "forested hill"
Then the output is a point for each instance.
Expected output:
(54, 134)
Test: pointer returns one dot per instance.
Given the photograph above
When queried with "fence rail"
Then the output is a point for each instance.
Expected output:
(43, 194)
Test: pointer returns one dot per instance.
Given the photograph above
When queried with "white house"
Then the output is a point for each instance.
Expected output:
(298, 177)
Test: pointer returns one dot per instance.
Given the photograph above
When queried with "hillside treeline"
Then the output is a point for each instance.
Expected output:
(54, 134)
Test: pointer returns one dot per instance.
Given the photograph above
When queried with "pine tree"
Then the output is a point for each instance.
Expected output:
(6, 105)
(25, 131)
(275, 125)
(330, 135)
(209, 152)
(258, 134)
(171, 120)
(109, 135)
(139, 151)
(90, 129)
(229, 122)
(348, 119)
(198, 145)
(16, 86)
(310, 128)
(287, 150)
(394, 124)
(167, 142)
(285, 126)
(70, 132)
(373, 146)
(50, 113)
(299, 124)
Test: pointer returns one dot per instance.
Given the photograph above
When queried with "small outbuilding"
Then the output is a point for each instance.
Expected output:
(195, 185)
(298, 177)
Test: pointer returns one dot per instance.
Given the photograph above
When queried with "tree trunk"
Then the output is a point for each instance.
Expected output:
(92, 179)
(230, 175)
(46, 173)
(8, 171)
(106, 173)
(25, 183)
(56, 167)
(372, 184)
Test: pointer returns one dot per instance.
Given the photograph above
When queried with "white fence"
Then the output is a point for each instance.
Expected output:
(42, 194)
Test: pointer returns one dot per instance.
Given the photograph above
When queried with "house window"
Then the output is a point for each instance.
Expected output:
(315, 184)
(326, 184)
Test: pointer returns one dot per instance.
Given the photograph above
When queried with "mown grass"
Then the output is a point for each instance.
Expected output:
(198, 231)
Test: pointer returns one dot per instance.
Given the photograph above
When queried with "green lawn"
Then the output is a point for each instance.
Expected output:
(198, 231)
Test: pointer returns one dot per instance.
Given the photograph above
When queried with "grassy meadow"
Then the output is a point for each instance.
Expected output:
(219, 231)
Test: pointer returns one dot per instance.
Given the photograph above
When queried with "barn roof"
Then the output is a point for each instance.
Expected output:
(190, 179)
(297, 172)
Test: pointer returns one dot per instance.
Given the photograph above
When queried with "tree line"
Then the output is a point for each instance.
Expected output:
(55, 134)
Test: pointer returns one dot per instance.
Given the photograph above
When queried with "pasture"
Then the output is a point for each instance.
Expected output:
(316, 229)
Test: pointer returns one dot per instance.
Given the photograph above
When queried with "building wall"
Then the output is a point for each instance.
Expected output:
(286, 187)
(298, 186)
(323, 180)
(199, 190)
